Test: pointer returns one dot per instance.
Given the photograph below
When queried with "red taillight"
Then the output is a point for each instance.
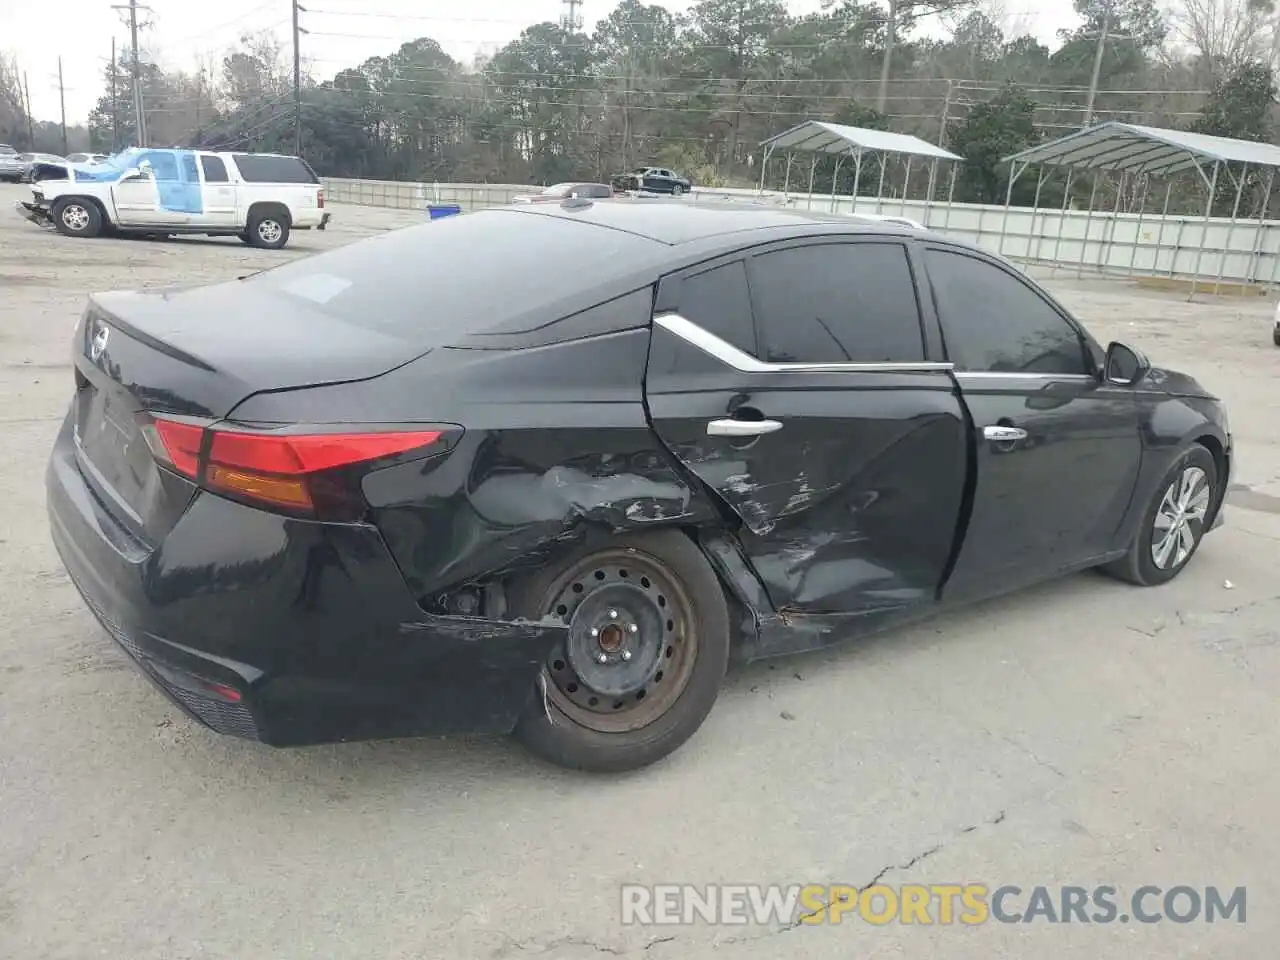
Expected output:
(320, 199)
(276, 469)
(181, 443)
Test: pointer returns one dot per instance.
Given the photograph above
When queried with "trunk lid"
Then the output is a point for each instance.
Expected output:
(195, 353)
(201, 350)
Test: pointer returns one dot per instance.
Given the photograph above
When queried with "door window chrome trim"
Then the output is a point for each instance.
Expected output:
(731, 356)
(1014, 375)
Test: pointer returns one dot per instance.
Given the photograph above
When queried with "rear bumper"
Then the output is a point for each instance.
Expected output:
(287, 631)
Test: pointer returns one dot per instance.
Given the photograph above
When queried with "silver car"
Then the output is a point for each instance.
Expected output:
(11, 166)
(31, 162)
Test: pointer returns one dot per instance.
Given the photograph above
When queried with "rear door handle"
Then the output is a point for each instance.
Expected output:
(730, 427)
(1004, 434)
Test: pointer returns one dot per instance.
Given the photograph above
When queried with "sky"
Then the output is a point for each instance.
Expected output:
(181, 34)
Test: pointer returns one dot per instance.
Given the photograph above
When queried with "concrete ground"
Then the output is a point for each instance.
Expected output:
(1085, 732)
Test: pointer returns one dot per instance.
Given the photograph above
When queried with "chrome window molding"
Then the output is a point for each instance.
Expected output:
(731, 356)
(1015, 375)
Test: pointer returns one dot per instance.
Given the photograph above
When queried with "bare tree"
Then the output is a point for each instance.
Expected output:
(13, 112)
(1225, 34)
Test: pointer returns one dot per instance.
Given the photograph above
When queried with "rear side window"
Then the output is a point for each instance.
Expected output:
(719, 301)
(837, 303)
(994, 323)
(215, 171)
(594, 190)
(439, 282)
(257, 168)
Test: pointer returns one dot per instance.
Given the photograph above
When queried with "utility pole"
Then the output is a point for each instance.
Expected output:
(946, 110)
(31, 127)
(571, 22)
(62, 102)
(139, 115)
(115, 113)
(297, 79)
(890, 37)
(1097, 63)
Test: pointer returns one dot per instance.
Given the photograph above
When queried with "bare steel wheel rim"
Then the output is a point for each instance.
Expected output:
(75, 216)
(1179, 521)
(632, 641)
(269, 231)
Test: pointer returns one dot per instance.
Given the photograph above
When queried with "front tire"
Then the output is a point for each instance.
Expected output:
(1275, 337)
(647, 650)
(1174, 524)
(74, 217)
(676, 190)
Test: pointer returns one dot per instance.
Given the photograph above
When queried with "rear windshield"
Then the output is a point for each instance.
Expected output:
(441, 281)
(256, 168)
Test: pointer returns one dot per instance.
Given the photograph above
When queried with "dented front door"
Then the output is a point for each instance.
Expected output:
(847, 479)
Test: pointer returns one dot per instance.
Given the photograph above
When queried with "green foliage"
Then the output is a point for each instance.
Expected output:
(696, 92)
(992, 131)
(1240, 105)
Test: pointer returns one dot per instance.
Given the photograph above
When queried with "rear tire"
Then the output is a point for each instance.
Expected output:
(268, 230)
(1174, 524)
(1275, 337)
(74, 217)
(662, 627)
(676, 190)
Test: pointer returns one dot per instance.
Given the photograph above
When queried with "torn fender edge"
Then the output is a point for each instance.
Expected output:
(750, 605)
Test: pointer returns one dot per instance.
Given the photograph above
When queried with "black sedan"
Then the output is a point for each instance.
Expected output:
(424, 484)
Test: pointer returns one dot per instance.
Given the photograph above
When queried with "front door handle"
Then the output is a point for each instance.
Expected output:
(730, 427)
(1003, 434)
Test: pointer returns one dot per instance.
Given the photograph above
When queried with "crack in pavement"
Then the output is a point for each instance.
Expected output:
(887, 869)
(542, 948)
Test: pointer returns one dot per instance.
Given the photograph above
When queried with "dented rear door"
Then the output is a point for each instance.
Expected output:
(802, 395)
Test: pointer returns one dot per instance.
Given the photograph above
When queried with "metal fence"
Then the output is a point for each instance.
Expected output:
(1247, 251)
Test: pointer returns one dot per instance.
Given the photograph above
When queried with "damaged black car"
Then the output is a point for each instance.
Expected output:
(429, 483)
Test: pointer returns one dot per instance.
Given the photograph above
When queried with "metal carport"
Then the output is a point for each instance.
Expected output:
(1130, 149)
(819, 138)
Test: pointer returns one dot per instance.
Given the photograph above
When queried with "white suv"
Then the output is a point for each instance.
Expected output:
(258, 197)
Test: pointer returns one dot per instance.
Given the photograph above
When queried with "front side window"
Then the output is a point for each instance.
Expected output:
(163, 165)
(995, 323)
(837, 303)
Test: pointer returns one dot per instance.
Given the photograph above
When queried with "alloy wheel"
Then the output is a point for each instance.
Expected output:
(1179, 520)
(631, 646)
(269, 231)
(75, 217)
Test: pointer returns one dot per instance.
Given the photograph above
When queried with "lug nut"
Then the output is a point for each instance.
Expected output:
(633, 628)
(595, 632)
(626, 654)
(613, 614)
(604, 658)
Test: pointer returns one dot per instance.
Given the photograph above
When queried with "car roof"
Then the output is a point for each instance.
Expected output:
(673, 222)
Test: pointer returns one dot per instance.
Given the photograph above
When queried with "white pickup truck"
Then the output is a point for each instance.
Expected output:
(258, 197)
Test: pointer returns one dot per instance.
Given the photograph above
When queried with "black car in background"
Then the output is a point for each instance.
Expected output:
(447, 489)
(652, 180)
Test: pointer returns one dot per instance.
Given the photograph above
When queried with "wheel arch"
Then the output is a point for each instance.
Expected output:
(84, 198)
(265, 207)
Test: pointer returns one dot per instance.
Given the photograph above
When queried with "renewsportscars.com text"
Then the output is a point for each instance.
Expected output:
(942, 904)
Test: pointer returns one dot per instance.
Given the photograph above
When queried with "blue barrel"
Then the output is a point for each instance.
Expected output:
(437, 210)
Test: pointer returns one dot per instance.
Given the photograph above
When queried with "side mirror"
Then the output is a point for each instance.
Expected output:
(1124, 365)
